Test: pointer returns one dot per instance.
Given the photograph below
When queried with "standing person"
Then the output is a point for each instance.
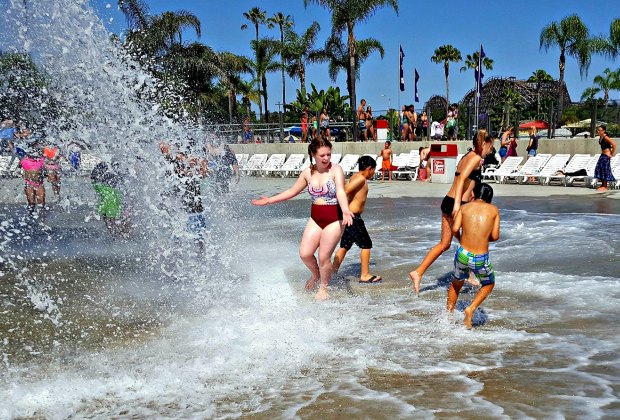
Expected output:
(52, 157)
(413, 123)
(315, 128)
(423, 172)
(324, 124)
(361, 119)
(75, 155)
(468, 173)
(532, 145)
(603, 172)
(329, 214)
(190, 171)
(304, 125)
(357, 193)
(222, 165)
(505, 142)
(386, 163)
(32, 166)
(110, 207)
(512, 146)
(370, 125)
(247, 134)
(424, 119)
(478, 223)
(406, 131)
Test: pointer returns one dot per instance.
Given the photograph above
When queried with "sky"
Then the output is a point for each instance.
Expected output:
(508, 30)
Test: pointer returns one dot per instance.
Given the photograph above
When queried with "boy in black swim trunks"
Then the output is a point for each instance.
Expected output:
(357, 192)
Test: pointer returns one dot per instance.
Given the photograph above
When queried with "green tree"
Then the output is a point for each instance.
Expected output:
(345, 15)
(446, 54)
(335, 54)
(297, 50)
(283, 22)
(609, 80)
(471, 62)
(539, 77)
(572, 37)
(256, 17)
(230, 67)
(265, 51)
(589, 97)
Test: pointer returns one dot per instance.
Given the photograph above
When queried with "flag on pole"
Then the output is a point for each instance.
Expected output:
(402, 71)
(478, 73)
(417, 77)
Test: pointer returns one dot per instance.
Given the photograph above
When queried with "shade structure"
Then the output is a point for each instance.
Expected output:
(539, 124)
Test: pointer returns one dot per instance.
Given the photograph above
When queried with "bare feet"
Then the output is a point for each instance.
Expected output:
(416, 279)
(322, 294)
(469, 314)
(311, 284)
(602, 189)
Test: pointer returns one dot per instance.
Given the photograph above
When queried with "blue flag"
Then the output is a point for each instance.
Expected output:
(402, 71)
(417, 77)
(478, 73)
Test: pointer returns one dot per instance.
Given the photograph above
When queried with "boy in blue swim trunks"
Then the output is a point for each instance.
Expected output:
(478, 222)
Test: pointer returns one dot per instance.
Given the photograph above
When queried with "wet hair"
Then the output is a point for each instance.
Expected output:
(481, 138)
(314, 146)
(366, 162)
(484, 192)
(98, 172)
(388, 142)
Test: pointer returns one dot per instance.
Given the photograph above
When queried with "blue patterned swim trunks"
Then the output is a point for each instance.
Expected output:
(465, 261)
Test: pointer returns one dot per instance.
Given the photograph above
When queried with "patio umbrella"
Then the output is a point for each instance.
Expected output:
(539, 124)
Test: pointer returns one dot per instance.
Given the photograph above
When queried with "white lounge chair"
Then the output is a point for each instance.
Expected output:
(532, 167)
(577, 162)
(615, 170)
(242, 160)
(292, 164)
(552, 166)
(255, 163)
(407, 166)
(588, 179)
(336, 158)
(348, 163)
(510, 167)
(5, 169)
(273, 164)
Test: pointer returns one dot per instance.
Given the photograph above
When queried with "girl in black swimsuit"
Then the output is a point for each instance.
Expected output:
(603, 167)
(468, 173)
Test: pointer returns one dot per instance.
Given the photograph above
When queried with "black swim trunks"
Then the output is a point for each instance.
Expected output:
(447, 205)
(356, 234)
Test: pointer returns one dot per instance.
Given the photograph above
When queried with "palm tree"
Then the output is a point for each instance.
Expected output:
(539, 77)
(572, 37)
(445, 54)
(136, 12)
(297, 50)
(265, 51)
(345, 15)
(229, 69)
(257, 17)
(283, 22)
(471, 62)
(607, 82)
(588, 97)
(614, 37)
(334, 53)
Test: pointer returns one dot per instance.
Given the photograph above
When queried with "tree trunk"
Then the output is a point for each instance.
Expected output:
(265, 97)
(231, 98)
(352, 73)
(282, 64)
(561, 93)
(302, 78)
(447, 73)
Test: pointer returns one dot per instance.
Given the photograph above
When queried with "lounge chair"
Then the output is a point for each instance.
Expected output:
(577, 162)
(585, 180)
(509, 167)
(348, 163)
(242, 160)
(407, 166)
(255, 163)
(532, 167)
(5, 170)
(273, 164)
(552, 166)
(292, 164)
(336, 158)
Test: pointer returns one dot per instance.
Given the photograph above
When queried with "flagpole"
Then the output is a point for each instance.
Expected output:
(477, 102)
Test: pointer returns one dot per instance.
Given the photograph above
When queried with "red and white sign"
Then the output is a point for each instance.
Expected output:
(439, 166)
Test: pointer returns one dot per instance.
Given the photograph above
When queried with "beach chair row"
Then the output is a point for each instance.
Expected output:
(404, 165)
(12, 168)
(547, 169)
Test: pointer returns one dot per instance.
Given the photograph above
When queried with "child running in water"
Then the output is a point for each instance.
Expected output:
(478, 222)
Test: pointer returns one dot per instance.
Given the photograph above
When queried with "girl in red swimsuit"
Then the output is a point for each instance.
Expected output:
(329, 215)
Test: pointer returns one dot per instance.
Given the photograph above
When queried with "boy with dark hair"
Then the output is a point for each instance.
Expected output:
(357, 192)
(478, 222)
